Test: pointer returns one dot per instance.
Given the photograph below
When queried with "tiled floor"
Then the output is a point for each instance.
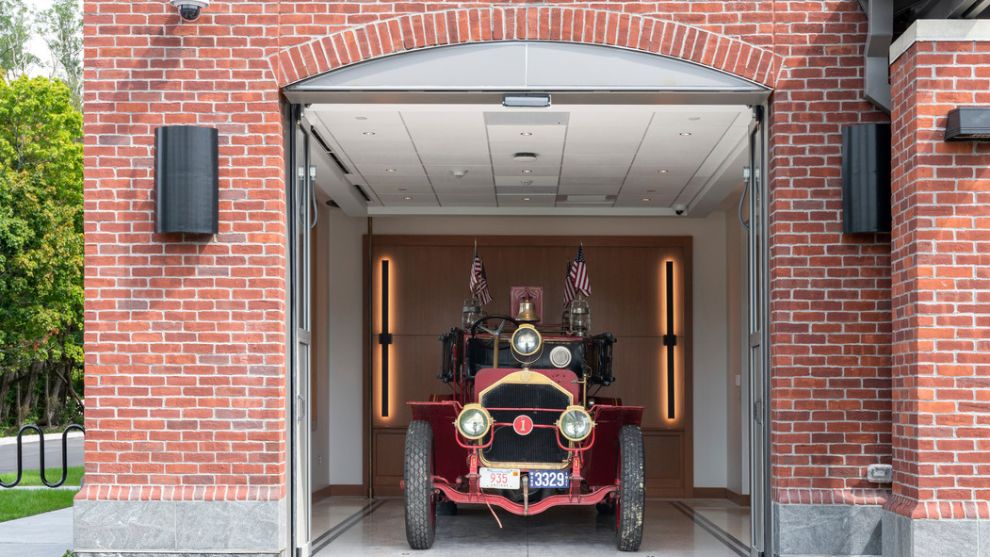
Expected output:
(375, 528)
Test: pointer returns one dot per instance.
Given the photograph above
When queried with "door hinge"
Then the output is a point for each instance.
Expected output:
(758, 411)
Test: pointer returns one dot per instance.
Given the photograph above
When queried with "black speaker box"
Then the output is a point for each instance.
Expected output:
(186, 180)
(866, 178)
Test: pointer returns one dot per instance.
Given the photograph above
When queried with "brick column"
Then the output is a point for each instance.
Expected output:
(941, 297)
(185, 335)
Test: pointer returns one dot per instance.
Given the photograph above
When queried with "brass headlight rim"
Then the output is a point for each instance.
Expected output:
(539, 337)
(473, 406)
(575, 408)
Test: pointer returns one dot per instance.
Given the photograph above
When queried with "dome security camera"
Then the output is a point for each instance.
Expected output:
(679, 209)
(189, 9)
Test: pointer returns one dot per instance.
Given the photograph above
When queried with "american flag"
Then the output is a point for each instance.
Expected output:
(577, 280)
(479, 280)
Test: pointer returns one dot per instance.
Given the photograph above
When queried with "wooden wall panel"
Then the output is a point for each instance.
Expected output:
(429, 281)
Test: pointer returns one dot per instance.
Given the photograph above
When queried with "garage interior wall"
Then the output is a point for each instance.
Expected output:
(719, 433)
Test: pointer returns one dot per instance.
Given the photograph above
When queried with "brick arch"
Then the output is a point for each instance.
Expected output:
(535, 23)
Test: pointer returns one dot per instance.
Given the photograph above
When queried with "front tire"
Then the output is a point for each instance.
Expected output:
(421, 507)
(632, 493)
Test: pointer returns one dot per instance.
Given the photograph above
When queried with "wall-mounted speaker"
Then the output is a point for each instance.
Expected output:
(866, 178)
(186, 180)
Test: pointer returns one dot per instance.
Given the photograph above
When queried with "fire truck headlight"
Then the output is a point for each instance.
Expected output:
(575, 423)
(473, 422)
(526, 341)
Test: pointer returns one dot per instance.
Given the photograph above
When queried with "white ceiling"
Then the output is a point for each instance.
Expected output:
(460, 158)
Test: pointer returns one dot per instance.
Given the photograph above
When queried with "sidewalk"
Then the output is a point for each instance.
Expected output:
(41, 535)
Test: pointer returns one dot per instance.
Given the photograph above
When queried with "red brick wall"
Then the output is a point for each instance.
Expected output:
(941, 286)
(830, 292)
(185, 336)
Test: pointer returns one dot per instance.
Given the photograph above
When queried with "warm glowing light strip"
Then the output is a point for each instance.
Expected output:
(670, 340)
(385, 337)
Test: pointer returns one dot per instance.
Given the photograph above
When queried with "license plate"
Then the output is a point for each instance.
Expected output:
(499, 478)
(549, 478)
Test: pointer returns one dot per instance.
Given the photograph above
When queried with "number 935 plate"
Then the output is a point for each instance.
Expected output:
(549, 478)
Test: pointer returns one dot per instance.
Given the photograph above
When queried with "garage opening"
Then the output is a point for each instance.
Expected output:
(410, 169)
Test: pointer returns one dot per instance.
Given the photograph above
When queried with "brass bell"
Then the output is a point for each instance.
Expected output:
(527, 312)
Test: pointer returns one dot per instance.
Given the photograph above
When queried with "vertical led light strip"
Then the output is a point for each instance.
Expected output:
(385, 337)
(670, 340)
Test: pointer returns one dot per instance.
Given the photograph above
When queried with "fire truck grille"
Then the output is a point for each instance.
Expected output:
(540, 446)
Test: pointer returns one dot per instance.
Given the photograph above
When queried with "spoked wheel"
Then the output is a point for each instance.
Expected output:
(631, 500)
(421, 507)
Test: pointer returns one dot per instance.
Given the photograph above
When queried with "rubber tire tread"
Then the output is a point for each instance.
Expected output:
(421, 524)
(632, 491)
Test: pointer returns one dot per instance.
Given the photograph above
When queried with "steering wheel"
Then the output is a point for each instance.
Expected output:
(502, 320)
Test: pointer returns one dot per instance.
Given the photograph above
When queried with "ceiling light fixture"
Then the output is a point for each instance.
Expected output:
(685, 134)
(526, 134)
(526, 182)
(367, 133)
(694, 118)
(651, 190)
(664, 171)
(527, 171)
(524, 157)
(390, 170)
(526, 101)
(646, 200)
(361, 118)
(408, 198)
(459, 173)
(525, 199)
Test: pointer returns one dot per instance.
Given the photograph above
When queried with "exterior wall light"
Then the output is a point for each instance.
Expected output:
(189, 9)
(968, 123)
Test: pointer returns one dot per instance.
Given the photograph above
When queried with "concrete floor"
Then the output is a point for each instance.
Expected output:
(41, 535)
(688, 528)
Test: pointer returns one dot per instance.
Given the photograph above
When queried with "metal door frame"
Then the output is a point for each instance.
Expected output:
(299, 190)
(758, 349)
(299, 194)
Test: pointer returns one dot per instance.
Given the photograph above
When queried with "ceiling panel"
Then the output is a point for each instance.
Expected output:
(449, 138)
(530, 200)
(468, 199)
(456, 155)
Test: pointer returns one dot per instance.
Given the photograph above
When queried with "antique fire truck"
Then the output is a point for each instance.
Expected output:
(520, 431)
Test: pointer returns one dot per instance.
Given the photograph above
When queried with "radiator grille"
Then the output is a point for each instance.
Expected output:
(540, 446)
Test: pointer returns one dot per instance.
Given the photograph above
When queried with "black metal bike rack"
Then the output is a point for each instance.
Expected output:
(41, 455)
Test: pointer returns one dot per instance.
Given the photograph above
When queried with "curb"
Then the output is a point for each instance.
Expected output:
(57, 437)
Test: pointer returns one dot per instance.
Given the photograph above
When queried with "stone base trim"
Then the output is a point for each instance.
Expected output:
(179, 528)
(907, 537)
(846, 530)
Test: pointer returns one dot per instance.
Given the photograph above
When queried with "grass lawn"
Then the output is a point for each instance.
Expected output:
(31, 477)
(18, 503)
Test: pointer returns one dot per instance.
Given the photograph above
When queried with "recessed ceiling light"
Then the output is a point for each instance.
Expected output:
(373, 133)
(651, 190)
(524, 157)
(525, 199)
(403, 189)
(408, 198)
(459, 173)
(390, 170)
(527, 171)
(685, 134)
(360, 117)
(526, 134)
(664, 171)
(694, 118)
(526, 182)
(645, 200)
